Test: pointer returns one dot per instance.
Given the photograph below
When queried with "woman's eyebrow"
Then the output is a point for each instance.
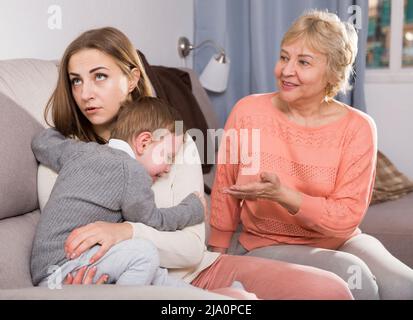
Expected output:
(97, 68)
(300, 55)
(91, 71)
(306, 56)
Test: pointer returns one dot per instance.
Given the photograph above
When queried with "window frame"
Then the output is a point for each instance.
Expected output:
(395, 73)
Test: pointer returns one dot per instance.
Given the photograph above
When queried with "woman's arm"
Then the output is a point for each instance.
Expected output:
(179, 249)
(269, 188)
(341, 212)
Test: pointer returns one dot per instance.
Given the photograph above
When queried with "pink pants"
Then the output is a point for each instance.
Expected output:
(270, 279)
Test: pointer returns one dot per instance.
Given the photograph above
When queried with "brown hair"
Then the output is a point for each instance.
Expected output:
(145, 114)
(66, 116)
(323, 32)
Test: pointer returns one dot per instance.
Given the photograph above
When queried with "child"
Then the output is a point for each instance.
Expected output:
(111, 183)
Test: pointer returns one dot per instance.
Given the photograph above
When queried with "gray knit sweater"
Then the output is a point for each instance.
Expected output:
(96, 183)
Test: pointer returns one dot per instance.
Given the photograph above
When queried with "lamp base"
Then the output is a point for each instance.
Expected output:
(184, 47)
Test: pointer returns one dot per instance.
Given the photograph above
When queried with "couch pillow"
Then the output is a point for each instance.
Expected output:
(390, 183)
(18, 170)
(16, 239)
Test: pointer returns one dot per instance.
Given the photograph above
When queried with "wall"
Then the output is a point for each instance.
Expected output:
(154, 26)
(391, 106)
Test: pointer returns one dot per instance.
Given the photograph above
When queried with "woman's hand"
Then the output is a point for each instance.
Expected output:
(267, 188)
(104, 233)
(84, 275)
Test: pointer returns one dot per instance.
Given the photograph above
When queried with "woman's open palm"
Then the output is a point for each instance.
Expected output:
(266, 188)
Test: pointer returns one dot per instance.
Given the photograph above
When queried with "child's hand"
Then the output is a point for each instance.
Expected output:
(204, 203)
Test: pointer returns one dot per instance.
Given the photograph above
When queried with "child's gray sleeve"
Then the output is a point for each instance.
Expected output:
(138, 204)
(51, 148)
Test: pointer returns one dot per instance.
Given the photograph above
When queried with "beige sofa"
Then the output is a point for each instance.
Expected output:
(25, 86)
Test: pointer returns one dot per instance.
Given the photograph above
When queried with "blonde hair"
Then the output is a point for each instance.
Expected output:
(66, 116)
(323, 32)
(145, 114)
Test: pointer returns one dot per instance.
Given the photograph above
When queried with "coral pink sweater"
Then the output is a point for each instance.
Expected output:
(332, 166)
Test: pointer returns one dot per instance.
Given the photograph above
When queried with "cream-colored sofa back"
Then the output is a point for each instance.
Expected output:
(29, 82)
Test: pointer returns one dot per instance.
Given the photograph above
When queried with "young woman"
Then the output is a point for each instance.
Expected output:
(101, 69)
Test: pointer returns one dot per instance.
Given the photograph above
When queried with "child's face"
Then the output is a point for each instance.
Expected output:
(158, 156)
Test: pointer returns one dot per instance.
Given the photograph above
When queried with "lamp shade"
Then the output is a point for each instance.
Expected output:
(215, 75)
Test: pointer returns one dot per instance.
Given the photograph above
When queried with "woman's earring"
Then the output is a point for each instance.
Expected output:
(328, 89)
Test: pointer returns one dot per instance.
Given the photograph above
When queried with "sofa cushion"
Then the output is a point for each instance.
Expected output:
(18, 168)
(392, 223)
(16, 238)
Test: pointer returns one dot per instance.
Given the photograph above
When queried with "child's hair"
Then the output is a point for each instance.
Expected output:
(145, 114)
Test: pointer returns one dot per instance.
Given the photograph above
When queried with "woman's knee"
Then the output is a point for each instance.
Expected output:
(394, 278)
(355, 273)
(329, 286)
(350, 268)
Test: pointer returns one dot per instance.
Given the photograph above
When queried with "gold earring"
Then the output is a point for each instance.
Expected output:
(328, 89)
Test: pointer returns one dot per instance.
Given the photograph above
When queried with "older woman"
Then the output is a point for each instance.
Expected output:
(316, 167)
